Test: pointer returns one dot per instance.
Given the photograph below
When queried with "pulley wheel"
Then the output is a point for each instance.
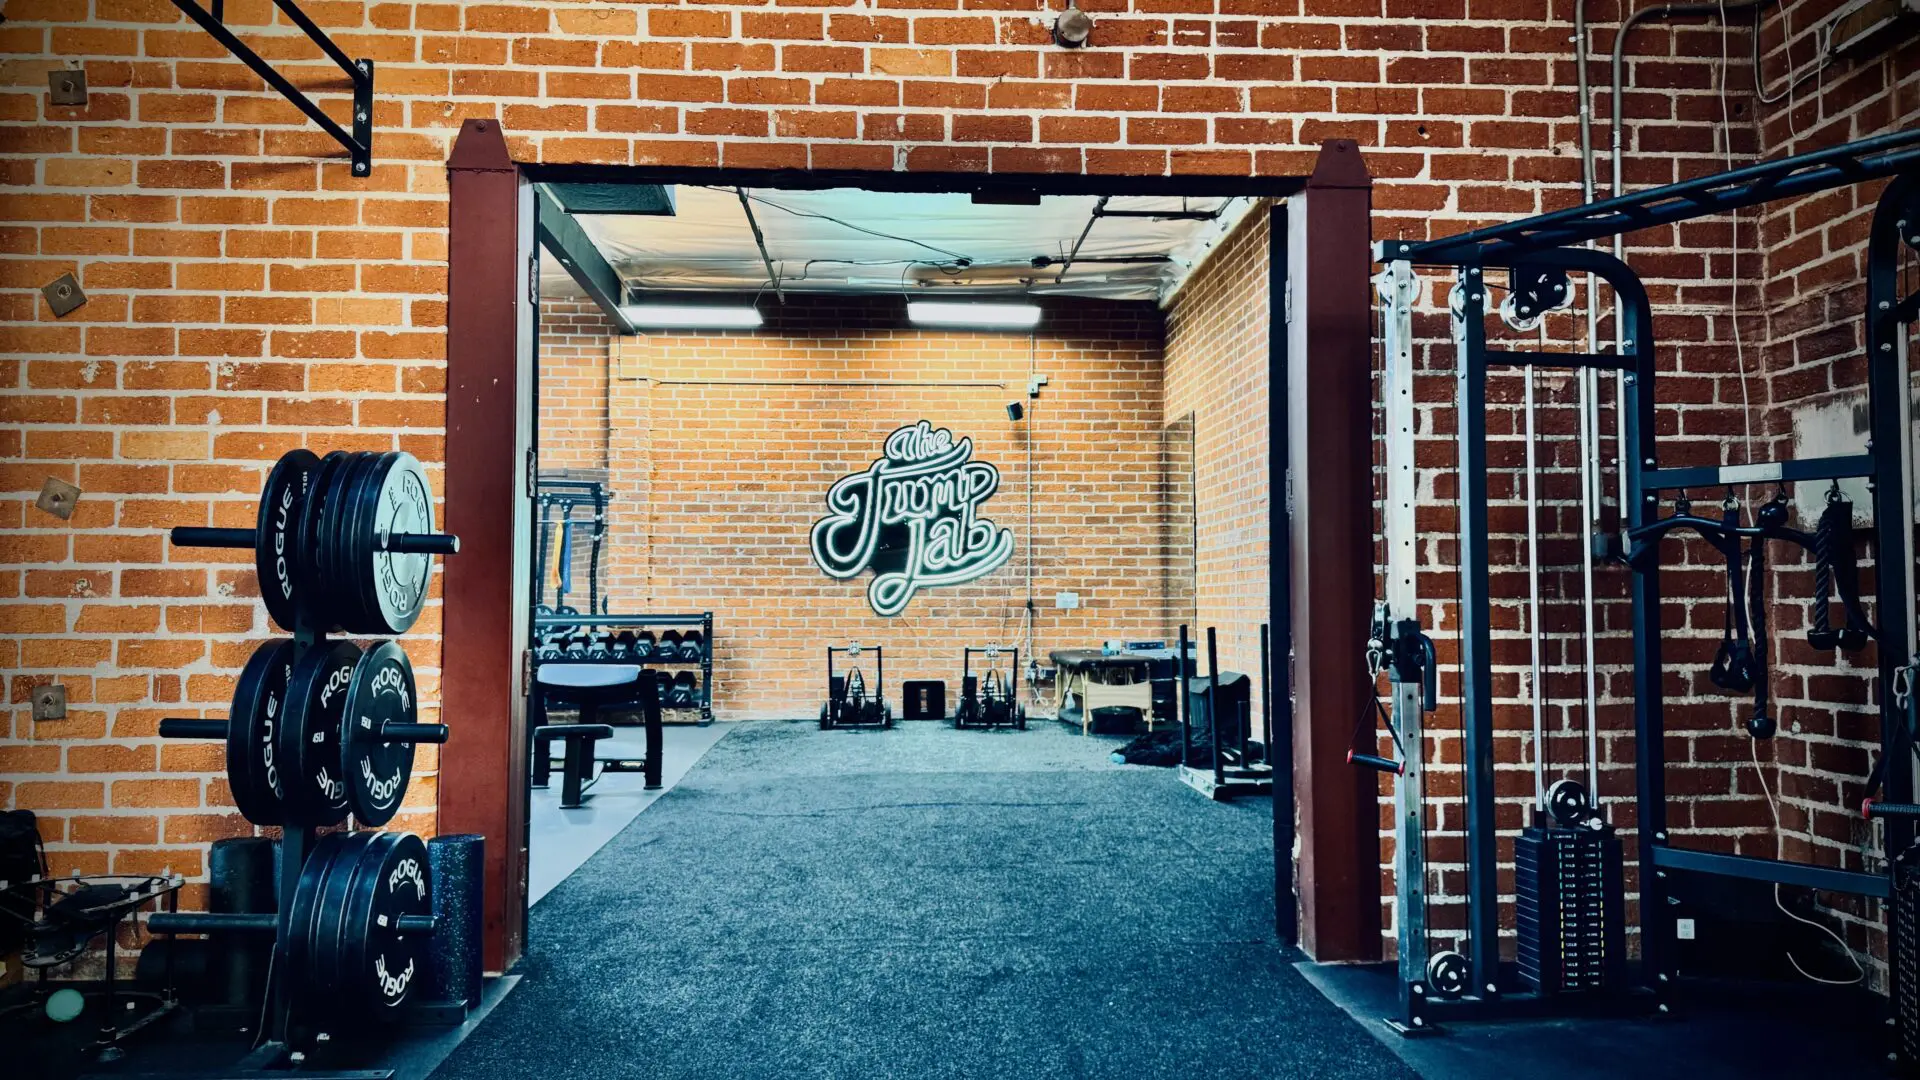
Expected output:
(253, 733)
(276, 547)
(376, 770)
(313, 789)
(1447, 974)
(1567, 802)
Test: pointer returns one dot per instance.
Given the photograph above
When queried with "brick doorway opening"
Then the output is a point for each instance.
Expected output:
(1318, 274)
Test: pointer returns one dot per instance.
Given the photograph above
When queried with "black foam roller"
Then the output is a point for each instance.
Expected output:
(242, 877)
(454, 964)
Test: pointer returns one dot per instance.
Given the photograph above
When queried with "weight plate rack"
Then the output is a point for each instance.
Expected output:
(320, 730)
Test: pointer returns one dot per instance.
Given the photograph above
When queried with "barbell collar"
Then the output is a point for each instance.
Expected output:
(414, 733)
(418, 924)
(180, 727)
(197, 536)
(417, 543)
(211, 922)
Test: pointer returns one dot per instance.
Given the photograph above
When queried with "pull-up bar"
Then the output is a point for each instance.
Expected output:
(1766, 181)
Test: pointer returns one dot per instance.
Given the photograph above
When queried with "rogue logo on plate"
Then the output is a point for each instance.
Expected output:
(912, 517)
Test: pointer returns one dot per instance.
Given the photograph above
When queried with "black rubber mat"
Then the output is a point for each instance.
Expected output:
(920, 903)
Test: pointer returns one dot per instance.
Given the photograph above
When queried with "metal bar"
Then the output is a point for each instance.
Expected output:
(1659, 967)
(1760, 472)
(1071, 255)
(1890, 424)
(361, 72)
(1476, 644)
(1160, 215)
(1286, 913)
(1602, 361)
(760, 241)
(570, 245)
(1780, 871)
(1397, 290)
(1535, 644)
(544, 622)
(1803, 174)
(319, 36)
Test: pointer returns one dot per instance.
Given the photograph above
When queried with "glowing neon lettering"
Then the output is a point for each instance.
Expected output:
(913, 518)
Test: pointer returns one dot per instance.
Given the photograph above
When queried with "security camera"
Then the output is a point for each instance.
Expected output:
(1016, 411)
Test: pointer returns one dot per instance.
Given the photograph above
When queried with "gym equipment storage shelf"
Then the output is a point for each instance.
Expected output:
(320, 730)
(700, 621)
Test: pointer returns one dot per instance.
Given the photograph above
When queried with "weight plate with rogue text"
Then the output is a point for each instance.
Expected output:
(376, 770)
(258, 712)
(312, 789)
(276, 548)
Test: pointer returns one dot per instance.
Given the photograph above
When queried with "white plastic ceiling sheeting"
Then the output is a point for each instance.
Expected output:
(850, 240)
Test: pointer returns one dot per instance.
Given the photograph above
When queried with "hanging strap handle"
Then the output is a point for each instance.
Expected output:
(1846, 572)
(1820, 632)
(1733, 663)
(1761, 725)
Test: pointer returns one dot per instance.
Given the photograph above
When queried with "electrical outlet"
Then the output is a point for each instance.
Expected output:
(50, 702)
(1683, 929)
(1066, 601)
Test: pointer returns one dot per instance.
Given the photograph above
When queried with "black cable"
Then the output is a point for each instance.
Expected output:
(856, 228)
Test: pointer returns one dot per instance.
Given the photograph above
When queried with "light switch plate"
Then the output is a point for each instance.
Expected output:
(1066, 600)
(50, 702)
(63, 294)
(67, 87)
(1683, 929)
(57, 497)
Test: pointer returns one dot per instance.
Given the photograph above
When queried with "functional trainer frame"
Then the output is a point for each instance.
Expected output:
(1543, 245)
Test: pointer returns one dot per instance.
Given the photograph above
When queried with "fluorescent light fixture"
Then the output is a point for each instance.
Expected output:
(691, 316)
(1001, 316)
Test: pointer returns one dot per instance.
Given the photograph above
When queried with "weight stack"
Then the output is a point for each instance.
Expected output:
(454, 961)
(1570, 910)
(1906, 959)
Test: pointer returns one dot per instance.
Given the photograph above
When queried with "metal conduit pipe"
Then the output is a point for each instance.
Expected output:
(1590, 435)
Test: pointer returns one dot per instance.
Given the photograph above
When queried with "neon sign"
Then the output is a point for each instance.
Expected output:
(912, 517)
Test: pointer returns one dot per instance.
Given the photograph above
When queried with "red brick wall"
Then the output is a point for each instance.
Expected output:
(247, 294)
(1810, 354)
(730, 441)
(1217, 373)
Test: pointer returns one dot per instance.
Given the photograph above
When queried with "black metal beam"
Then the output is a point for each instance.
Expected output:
(1760, 472)
(358, 144)
(1603, 361)
(1803, 174)
(573, 249)
(1803, 875)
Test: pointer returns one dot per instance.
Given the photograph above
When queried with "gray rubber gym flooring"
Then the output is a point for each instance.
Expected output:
(920, 903)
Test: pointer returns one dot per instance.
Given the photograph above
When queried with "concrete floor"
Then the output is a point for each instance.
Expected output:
(560, 840)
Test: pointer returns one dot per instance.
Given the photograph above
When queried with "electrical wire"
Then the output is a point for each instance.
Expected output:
(764, 201)
(1733, 216)
(1753, 745)
(1794, 82)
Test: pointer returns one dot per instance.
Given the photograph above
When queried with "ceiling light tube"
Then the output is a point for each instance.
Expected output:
(994, 316)
(691, 316)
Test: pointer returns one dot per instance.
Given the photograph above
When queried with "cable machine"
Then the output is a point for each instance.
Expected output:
(558, 498)
(1568, 862)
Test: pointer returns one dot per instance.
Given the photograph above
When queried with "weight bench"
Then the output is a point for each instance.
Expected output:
(590, 688)
(576, 763)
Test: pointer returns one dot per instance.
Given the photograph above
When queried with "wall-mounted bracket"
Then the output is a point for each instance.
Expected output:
(359, 144)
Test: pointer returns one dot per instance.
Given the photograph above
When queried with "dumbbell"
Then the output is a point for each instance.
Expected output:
(643, 645)
(599, 647)
(691, 645)
(669, 647)
(623, 644)
(686, 688)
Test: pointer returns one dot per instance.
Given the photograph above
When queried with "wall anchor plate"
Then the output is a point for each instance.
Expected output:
(63, 294)
(57, 497)
(67, 87)
(50, 702)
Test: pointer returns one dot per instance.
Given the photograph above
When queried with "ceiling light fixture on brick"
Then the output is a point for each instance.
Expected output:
(691, 316)
(1073, 27)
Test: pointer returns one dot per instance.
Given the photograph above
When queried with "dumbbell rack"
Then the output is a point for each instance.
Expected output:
(701, 620)
(282, 1040)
